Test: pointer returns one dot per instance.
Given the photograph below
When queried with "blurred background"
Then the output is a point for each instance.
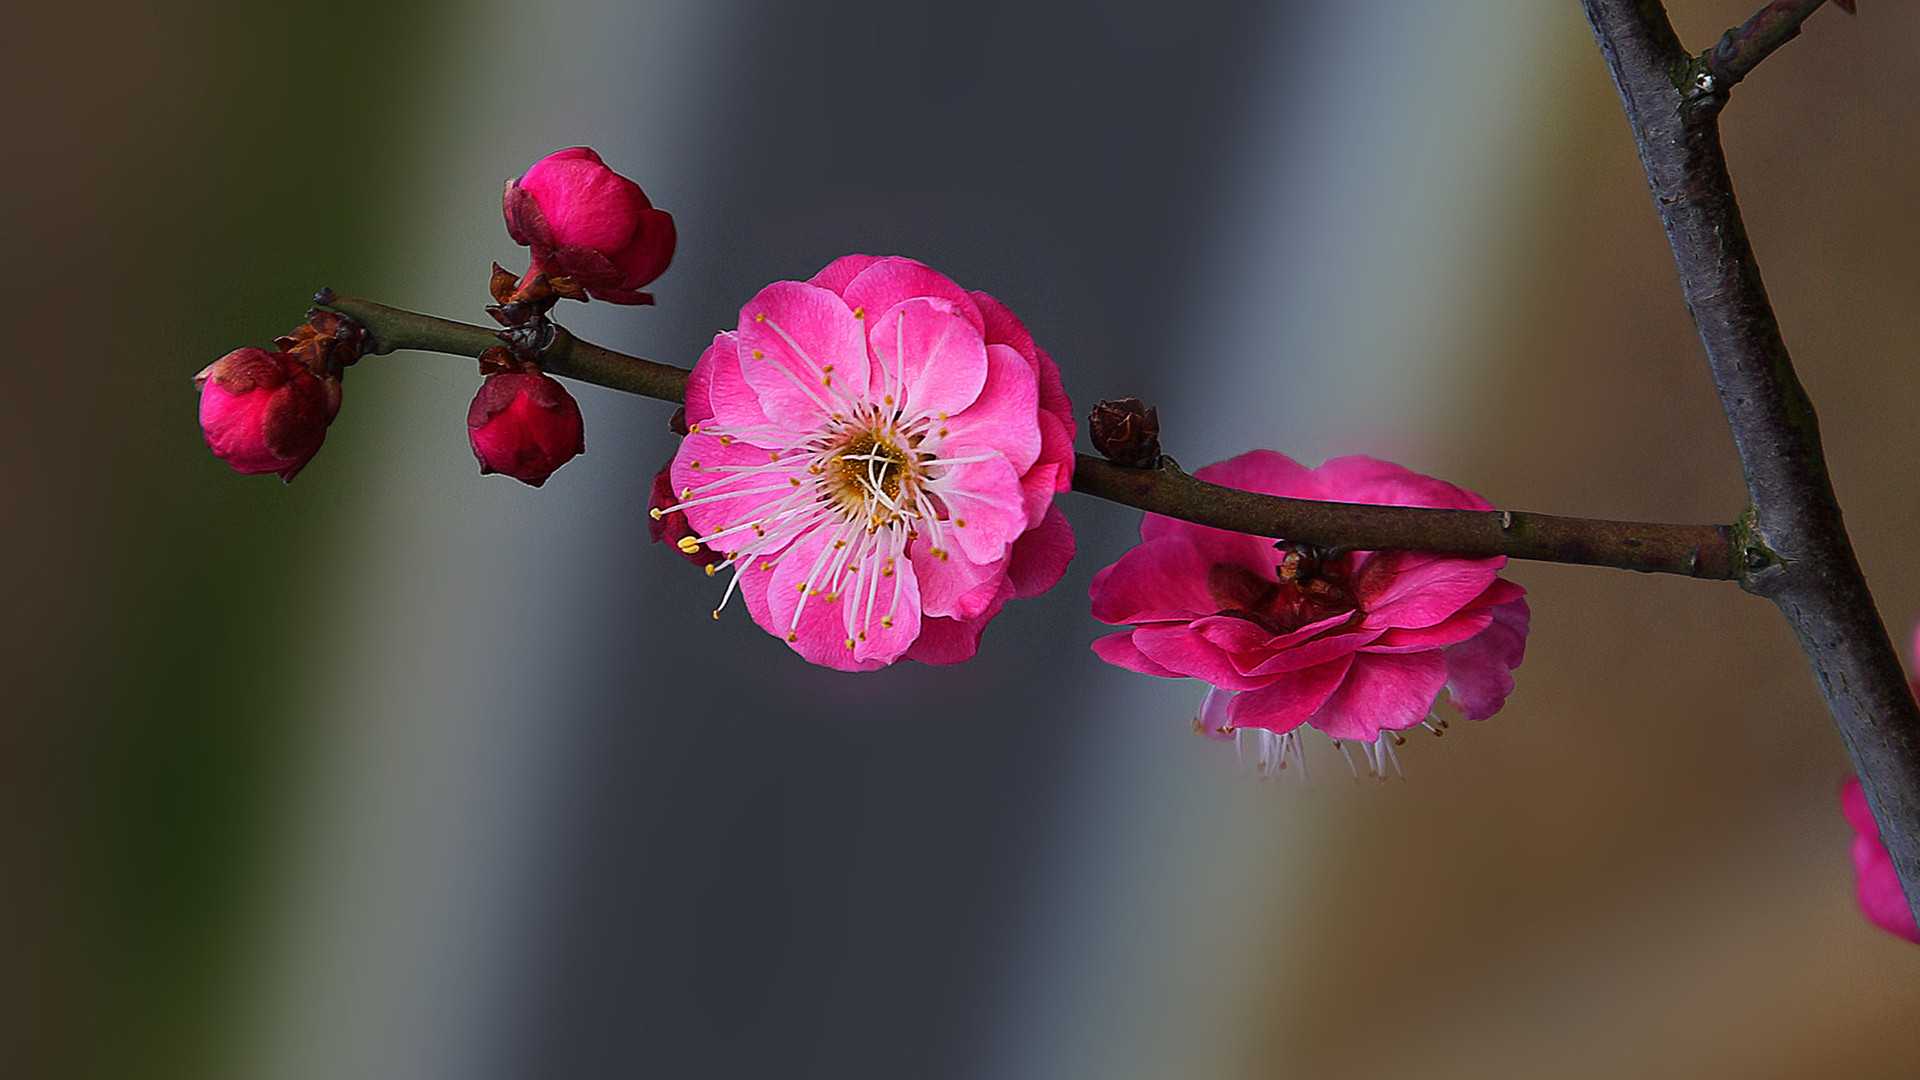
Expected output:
(405, 772)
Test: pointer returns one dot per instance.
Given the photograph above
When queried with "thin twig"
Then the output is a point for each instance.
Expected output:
(1741, 49)
(1702, 551)
(1804, 561)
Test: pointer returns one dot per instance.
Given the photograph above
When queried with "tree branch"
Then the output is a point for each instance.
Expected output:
(1703, 551)
(1741, 49)
(1804, 561)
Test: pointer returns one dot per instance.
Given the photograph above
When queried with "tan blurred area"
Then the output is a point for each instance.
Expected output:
(1638, 868)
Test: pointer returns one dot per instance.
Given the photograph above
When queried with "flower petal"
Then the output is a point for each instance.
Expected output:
(1120, 651)
(790, 332)
(985, 509)
(1480, 669)
(1382, 692)
(927, 346)
(1179, 648)
(885, 282)
(1414, 589)
(737, 500)
(1039, 558)
(820, 631)
(1369, 480)
(836, 275)
(951, 641)
(1159, 581)
(1002, 418)
(1285, 704)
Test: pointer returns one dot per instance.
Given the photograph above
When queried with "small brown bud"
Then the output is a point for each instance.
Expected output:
(328, 342)
(1126, 431)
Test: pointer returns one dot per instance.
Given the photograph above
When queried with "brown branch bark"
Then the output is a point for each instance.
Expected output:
(1741, 49)
(1804, 561)
(1703, 551)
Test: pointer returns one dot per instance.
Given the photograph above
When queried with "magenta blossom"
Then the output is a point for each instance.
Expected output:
(591, 230)
(1354, 644)
(1877, 886)
(265, 412)
(875, 453)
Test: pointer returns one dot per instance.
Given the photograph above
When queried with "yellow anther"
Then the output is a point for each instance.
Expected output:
(859, 313)
(863, 635)
(758, 355)
(833, 598)
(794, 480)
(826, 380)
(655, 514)
(888, 399)
(849, 644)
(687, 544)
(726, 440)
(800, 586)
(886, 622)
(764, 565)
(710, 569)
(943, 416)
(693, 464)
(693, 429)
(959, 523)
(828, 369)
(760, 317)
(716, 614)
(792, 637)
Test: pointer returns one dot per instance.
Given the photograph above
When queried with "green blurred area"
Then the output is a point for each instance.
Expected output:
(185, 189)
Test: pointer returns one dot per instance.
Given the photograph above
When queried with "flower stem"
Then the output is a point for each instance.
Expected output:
(1703, 551)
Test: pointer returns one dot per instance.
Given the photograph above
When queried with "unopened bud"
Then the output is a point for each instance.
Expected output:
(1126, 432)
(592, 232)
(265, 412)
(525, 425)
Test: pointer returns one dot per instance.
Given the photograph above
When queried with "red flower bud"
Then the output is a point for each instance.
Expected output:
(524, 424)
(592, 231)
(265, 412)
(672, 527)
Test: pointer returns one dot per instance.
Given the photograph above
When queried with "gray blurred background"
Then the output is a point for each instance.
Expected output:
(405, 772)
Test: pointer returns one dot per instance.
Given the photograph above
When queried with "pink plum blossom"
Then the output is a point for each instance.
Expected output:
(589, 226)
(1881, 899)
(1354, 644)
(875, 452)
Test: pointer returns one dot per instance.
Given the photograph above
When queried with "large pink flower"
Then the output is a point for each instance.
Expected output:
(875, 453)
(1353, 644)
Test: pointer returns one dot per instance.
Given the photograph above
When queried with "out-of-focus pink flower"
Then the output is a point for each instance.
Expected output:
(875, 451)
(265, 412)
(589, 226)
(1878, 888)
(524, 424)
(1353, 644)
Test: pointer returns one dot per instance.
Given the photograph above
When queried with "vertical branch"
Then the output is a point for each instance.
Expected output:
(1798, 553)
